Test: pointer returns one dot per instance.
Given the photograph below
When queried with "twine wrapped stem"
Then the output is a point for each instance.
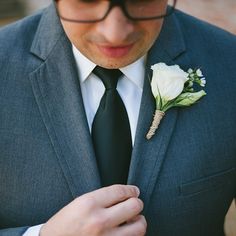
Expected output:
(155, 123)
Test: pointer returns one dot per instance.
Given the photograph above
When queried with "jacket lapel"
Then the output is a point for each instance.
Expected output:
(148, 155)
(56, 89)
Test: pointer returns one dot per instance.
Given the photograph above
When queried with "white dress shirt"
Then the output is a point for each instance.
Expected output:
(130, 88)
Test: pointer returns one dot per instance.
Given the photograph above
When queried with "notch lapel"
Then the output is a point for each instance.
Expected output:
(148, 155)
(56, 89)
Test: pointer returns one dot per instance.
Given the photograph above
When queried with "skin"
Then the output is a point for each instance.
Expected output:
(115, 210)
(114, 42)
(109, 211)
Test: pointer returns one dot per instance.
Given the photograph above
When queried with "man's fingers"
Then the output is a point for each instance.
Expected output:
(123, 212)
(93, 213)
(137, 226)
(109, 196)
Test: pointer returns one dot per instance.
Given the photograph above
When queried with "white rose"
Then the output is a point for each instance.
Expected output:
(167, 81)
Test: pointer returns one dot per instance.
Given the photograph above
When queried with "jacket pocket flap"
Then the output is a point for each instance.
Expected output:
(207, 183)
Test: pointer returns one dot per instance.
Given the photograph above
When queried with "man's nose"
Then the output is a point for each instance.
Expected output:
(116, 27)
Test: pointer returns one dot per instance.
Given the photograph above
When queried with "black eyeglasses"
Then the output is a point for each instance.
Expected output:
(90, 11)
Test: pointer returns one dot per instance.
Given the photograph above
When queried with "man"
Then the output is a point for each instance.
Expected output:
(51, 170)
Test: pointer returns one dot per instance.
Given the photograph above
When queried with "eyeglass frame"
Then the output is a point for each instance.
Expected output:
(121, 4)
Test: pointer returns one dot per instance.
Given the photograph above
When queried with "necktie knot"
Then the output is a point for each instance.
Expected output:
(109, 77)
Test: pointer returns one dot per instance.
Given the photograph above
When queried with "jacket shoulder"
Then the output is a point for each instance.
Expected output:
(18, 36)
(199, 32)
(208, 45)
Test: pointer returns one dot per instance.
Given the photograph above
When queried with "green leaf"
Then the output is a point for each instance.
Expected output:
(188, 99)
(158, 102)
(168, 105)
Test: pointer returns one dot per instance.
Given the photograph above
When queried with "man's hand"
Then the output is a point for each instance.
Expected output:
(109, 211)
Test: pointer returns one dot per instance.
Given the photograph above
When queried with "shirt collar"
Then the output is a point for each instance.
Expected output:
(85, 66)
(134, 72)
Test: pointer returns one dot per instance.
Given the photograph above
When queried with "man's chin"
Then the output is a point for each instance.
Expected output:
(114, 63)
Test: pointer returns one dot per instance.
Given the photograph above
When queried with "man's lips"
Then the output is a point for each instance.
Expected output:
(115, 52)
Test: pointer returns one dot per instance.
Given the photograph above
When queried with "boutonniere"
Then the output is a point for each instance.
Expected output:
(173, 87)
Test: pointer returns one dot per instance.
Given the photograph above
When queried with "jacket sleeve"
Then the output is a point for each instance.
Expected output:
(13, 231)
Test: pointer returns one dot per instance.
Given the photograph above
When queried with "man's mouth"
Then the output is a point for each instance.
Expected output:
(115, 51)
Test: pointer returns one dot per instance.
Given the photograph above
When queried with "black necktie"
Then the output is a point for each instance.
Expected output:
(111, 131)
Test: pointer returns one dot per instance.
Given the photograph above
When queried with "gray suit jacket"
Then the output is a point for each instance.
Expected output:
(186, 172)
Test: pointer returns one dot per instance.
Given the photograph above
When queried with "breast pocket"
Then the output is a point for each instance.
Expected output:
(220, 179)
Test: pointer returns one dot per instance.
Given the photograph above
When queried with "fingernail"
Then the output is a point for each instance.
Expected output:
(137, 190)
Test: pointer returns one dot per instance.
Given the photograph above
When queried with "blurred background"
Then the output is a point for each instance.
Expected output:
(219, 12)
(11, 10)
